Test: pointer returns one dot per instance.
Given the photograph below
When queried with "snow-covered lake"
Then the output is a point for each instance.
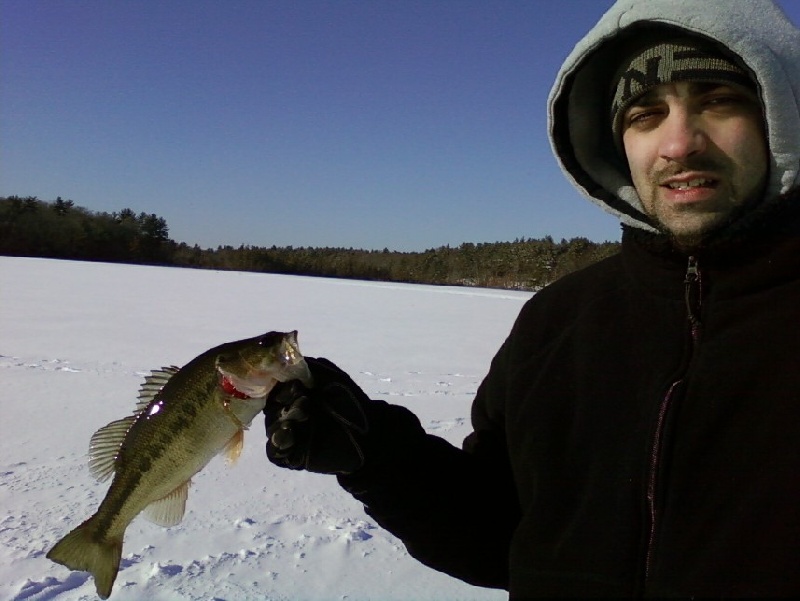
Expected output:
(75, 341)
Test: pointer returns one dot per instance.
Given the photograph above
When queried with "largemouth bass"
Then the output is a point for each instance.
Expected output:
(184, 417)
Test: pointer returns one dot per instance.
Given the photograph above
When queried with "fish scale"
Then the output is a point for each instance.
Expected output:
(183, 418)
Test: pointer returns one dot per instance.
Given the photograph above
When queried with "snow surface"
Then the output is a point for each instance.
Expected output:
(75, 341)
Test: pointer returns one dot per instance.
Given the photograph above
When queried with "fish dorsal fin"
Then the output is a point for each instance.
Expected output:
(104, 447)
(153, 383)
(106, 442)
(169, 510)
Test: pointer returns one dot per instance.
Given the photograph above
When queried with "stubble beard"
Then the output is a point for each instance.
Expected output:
(709, 221)
(690, 225)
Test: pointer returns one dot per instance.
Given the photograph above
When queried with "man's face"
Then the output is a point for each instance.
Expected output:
(697, 152)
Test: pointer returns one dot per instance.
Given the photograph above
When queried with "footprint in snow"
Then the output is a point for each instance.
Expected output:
(50, 587)
(352, 531)
(170, 569)
(245, 523)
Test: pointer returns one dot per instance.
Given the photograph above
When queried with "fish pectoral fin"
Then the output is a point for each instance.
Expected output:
(105, 445)
(232, 407)
(169, 510)
(234, 447)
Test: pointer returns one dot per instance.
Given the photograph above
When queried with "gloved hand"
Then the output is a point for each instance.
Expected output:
(321, 429)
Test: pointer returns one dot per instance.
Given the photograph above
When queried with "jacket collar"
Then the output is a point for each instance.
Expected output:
(758, 250)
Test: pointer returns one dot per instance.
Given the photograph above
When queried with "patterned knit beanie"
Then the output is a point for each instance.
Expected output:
(686, 59)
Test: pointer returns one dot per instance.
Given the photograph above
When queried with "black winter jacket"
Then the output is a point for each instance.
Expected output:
(638, 433)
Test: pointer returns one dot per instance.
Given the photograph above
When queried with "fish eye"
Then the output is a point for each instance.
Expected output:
(269, 339)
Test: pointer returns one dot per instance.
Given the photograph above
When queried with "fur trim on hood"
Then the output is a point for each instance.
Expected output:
(755, 32)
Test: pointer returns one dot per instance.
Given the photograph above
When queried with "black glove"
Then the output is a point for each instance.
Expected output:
(321, 429)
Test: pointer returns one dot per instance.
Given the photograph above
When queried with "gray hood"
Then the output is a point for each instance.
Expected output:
(756, 31)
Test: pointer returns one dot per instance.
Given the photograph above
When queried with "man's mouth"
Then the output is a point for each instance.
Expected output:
(697, 182)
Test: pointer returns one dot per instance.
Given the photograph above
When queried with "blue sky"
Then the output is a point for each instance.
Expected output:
(368, 124)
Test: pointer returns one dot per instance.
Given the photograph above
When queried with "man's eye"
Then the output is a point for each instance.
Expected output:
(725, 97)
(640, 117)
(723, 100)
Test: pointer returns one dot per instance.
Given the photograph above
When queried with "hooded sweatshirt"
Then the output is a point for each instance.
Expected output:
(755, 32)
(638, 432)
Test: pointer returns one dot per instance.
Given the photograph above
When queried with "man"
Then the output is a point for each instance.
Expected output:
(638, 433)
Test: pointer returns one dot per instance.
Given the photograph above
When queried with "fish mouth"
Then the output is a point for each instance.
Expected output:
(297, 371)
(246, 387)
(247, 380)
(258, 380)
(231, 389)
(252, 372)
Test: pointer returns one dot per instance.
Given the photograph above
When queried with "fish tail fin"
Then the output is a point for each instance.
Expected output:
(83, 549)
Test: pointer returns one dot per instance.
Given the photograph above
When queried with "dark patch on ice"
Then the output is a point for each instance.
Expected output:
(169, 569)
(360, 535)
(50, 587)
(127, 562)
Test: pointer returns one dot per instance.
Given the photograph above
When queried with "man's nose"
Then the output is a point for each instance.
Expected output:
(682, 136)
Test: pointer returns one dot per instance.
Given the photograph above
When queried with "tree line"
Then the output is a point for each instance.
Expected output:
(60, 229)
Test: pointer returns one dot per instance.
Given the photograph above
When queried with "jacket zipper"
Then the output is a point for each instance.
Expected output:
(693, 290)
(693, 298)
